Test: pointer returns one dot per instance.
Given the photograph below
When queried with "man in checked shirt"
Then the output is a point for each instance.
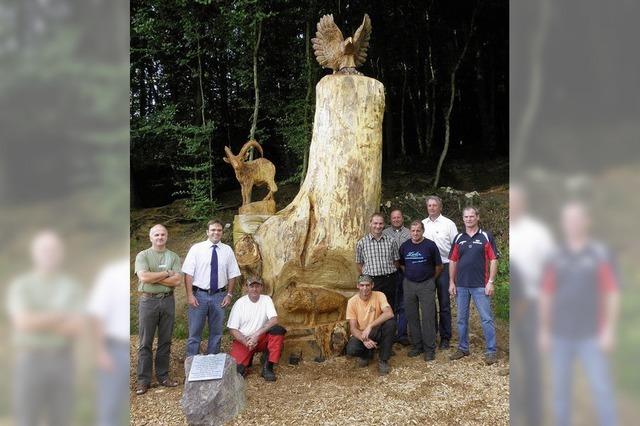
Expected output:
(377, 256)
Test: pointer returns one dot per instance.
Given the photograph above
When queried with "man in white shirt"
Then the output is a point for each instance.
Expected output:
(253, 323)
(210, 270)
(442, 231)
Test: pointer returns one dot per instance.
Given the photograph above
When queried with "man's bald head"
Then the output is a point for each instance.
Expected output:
(158, 235)
(47, 251)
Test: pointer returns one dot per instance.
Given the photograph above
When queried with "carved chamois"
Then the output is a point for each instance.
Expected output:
(258, 172)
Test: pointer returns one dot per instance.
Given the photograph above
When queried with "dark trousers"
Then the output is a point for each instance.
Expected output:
(398, 309)
(44, 387)
(383, 335)
(443, 323)
(154, 314)
(420, 296)
(387, 285)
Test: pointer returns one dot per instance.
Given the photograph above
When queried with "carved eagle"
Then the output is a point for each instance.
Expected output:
(333, 51)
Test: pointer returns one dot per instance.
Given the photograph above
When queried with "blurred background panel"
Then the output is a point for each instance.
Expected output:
(64, 168)
(574, 131)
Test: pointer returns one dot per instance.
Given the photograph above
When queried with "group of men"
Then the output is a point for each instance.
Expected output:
(403, 272)
(210, 271)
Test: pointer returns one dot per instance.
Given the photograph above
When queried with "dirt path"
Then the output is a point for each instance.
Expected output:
(336, 392)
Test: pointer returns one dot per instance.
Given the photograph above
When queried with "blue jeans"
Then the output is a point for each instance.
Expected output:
(208, 309)
(483, 305)
(596, 367)
(113, 404)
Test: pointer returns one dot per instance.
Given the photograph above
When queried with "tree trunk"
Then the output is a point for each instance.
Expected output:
(307, 99)
(452, 97)
(312, 240)
(403, 147)
(254, 124)
(308, 248)
(204, 124)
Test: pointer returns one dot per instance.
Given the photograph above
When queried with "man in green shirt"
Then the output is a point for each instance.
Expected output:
(158, 271)
(44, 307)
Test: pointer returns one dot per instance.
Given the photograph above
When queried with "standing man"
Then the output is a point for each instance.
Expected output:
(400, 234)
(473, 266)
(420, 260)
(372, 325)
(377, 256)
(253, 323)
(210, 274)
(579, 307)
(442, 231)
(158, 271)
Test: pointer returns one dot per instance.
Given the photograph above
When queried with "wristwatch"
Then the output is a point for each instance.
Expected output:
(230, 294)
(490, 282)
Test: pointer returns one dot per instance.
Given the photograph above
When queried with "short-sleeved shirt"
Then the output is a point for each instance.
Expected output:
(109, 300)
(30, 293)
(248, 317)
(473, 255)
(198, 264)
(400, 235)
(150, 260)
(377, 255)
(441, 231)
(420, 260)
(578, 283)
(366, 312)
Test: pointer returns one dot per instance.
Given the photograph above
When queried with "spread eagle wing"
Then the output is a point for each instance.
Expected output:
(361, 41)
(326, 45)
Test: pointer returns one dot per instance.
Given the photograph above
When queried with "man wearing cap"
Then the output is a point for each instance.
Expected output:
(210, 270)
(253, 323)
(158, 270)
(372, 325)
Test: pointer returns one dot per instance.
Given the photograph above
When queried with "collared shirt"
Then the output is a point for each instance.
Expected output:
(377, 256)
(441, 231)
(400, 235)
(198, 264)
(578, 283)
(473, 254)
(109, 300)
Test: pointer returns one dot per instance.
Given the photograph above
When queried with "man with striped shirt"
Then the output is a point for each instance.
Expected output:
(377, 256)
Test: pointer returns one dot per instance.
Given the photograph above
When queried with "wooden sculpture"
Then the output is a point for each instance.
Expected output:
(258, 172)
(333, 51)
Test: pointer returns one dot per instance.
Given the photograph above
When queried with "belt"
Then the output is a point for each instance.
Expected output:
(157, 295)
(209, 291)
(383, 276)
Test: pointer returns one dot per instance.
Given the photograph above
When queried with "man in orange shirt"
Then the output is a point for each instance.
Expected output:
(372, 325)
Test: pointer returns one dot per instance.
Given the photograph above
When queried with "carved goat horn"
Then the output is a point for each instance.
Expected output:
(249, 144)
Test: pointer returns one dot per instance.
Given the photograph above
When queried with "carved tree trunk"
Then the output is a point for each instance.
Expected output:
(311, 242)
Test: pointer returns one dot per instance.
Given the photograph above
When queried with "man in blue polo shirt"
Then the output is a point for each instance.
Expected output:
(420, 261)
(472, 268)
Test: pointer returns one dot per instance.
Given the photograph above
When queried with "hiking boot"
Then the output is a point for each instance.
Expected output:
(490, 359)
(429, 356)
(414, 352)
(444, 344)
(458, 354)
(142, 388)
(363, 362)
(241, 369)
(383, 368)
(267, 372)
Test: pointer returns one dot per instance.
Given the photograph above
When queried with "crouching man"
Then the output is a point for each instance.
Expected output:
(372, 325)
(253, 323)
